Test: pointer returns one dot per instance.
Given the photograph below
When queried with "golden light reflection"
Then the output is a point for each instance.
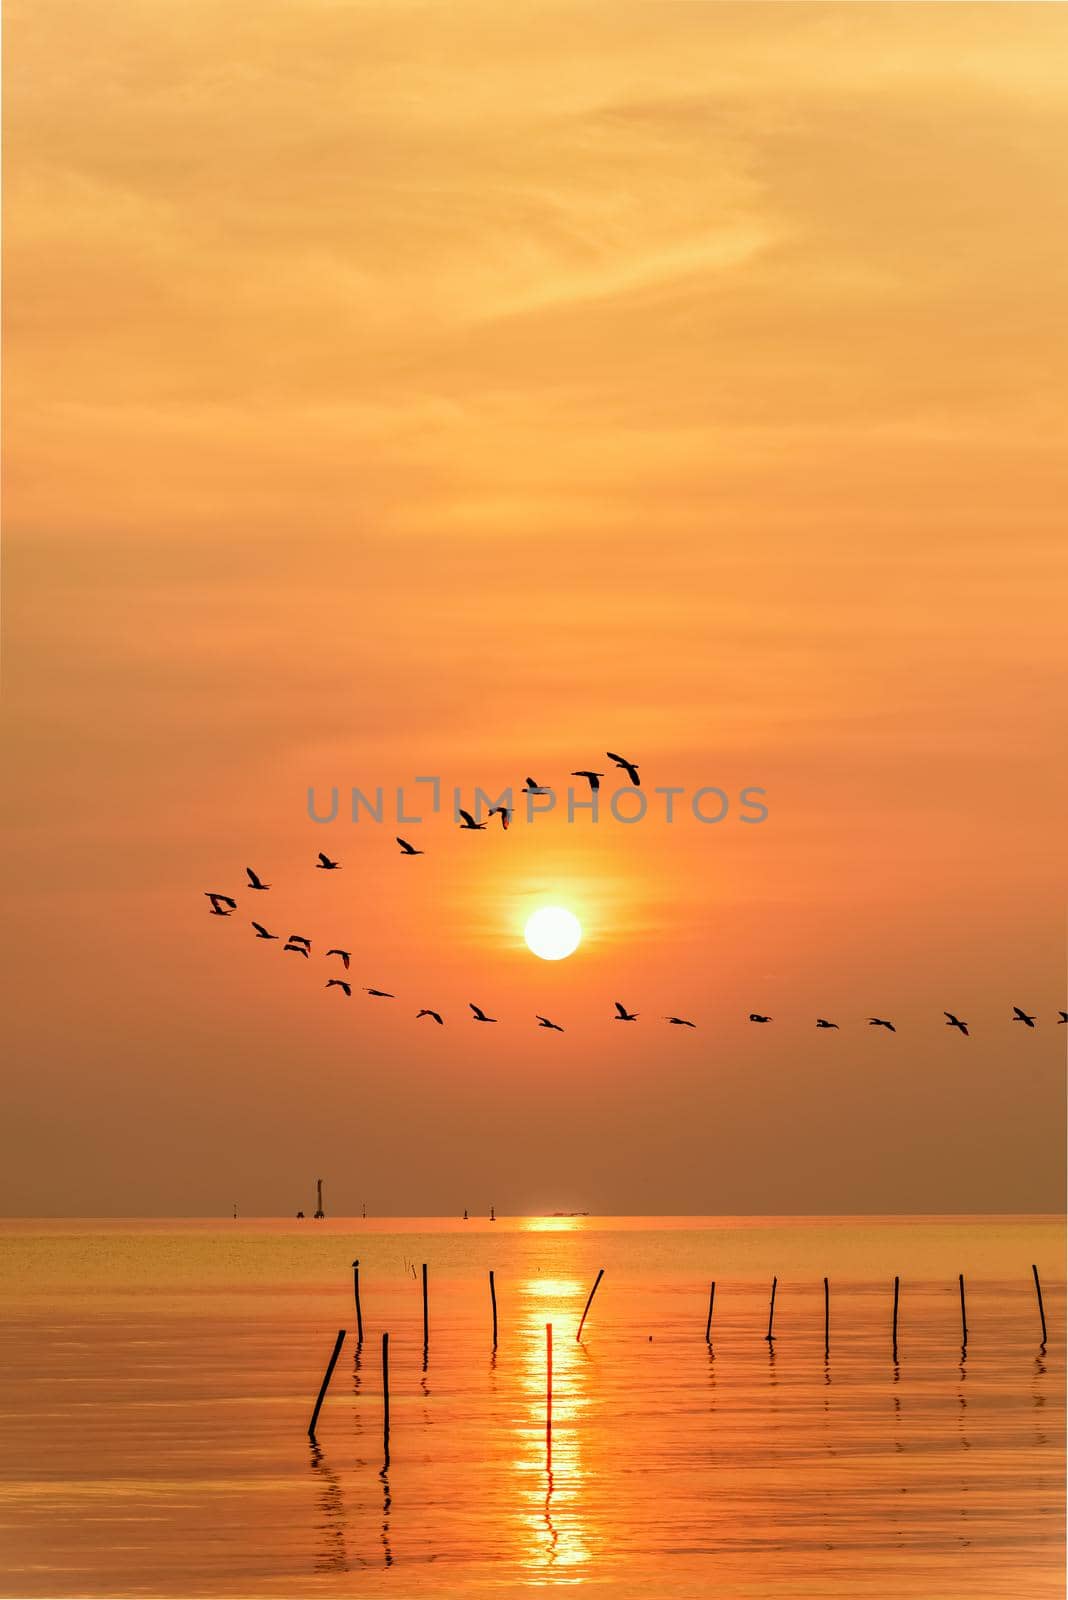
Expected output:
(549, 1463)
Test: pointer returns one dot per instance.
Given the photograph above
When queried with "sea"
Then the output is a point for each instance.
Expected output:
(159, 1377)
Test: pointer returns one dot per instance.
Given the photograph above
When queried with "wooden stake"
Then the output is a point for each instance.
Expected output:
(771, 1309)
(356, 1295)
(963, 1315)
(826, 1319)
(385, 1394)
(1041, 1309)
(338, 1342)
(711, 1303)
(426, 1317)
(549, 1386)
(493, 1302)
(589, 1303)
(897, 1291)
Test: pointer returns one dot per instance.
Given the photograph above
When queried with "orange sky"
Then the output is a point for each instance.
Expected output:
(397, 390)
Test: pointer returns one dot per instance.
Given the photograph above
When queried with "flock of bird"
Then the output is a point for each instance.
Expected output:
(224, 905)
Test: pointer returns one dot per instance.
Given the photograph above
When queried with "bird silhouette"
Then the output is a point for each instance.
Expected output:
(881, 1022)
(543, 1022)
(534, 788)
(821, 1022)
(297, 949)
(592, 778)
(1063, 1017)
(324, 863)
(469, 821)
(1022, 1016)
(298, 938)
(680, 1022)
(955, 1022)
(380, 994)
(629, 767)
(754, 1016)
(406, 848)
(503, 812)
(480, 1015)
(426, 1012)
(339, 983)
(344, 954)
(261, 932)
(623, 1015)
(254, 882)
(218, 901)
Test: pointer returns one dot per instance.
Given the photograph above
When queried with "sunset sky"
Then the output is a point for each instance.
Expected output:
(470, 390)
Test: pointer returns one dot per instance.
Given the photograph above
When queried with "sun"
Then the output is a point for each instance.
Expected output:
(552, 933)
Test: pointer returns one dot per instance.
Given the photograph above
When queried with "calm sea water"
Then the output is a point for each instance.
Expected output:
(158, 1379)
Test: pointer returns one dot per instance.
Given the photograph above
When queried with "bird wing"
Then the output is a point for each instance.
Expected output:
(619, 760)
(476, 1009)
(468, 818)
(621, 1008)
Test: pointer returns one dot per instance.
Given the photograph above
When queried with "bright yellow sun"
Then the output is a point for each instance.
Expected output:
(552, 933)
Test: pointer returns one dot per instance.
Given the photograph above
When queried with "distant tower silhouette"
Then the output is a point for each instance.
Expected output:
(493, 1215)
(319, 1212)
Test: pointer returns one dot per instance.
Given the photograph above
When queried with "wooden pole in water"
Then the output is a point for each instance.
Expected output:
(493, 1302)
(589, 1303)
(711, 1303)
(426, 1316)
(826, 1319)
(338, 1342)
(385, 1394)
(1041, 1309)
(356, 1295)
(548, 1386)
(771, 1309)
(963, 1314)
(897, 1291)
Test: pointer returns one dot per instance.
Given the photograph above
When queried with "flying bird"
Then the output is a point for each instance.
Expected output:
(680, 1022)
(218, 901)
(298, 938)
(324, 863)
(380, 994)
(1063, 1017)
(821, 1022)
(406, 848)
(254, 882)
(503, 812)
(1021, 1016)
(629, 767)
(480, 1015)
(261, 932)
(344, 954)
(955, 1022)
(623, 1015)
(426, 1012)
(297, 949)
(754, 1016)
(469, 821)
(339, 983)
(592, 778)
(543, 1022)
(534, 788)
(881, 1022)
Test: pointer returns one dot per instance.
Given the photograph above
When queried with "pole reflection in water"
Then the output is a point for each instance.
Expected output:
(331, 1556)
(551, 1440)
